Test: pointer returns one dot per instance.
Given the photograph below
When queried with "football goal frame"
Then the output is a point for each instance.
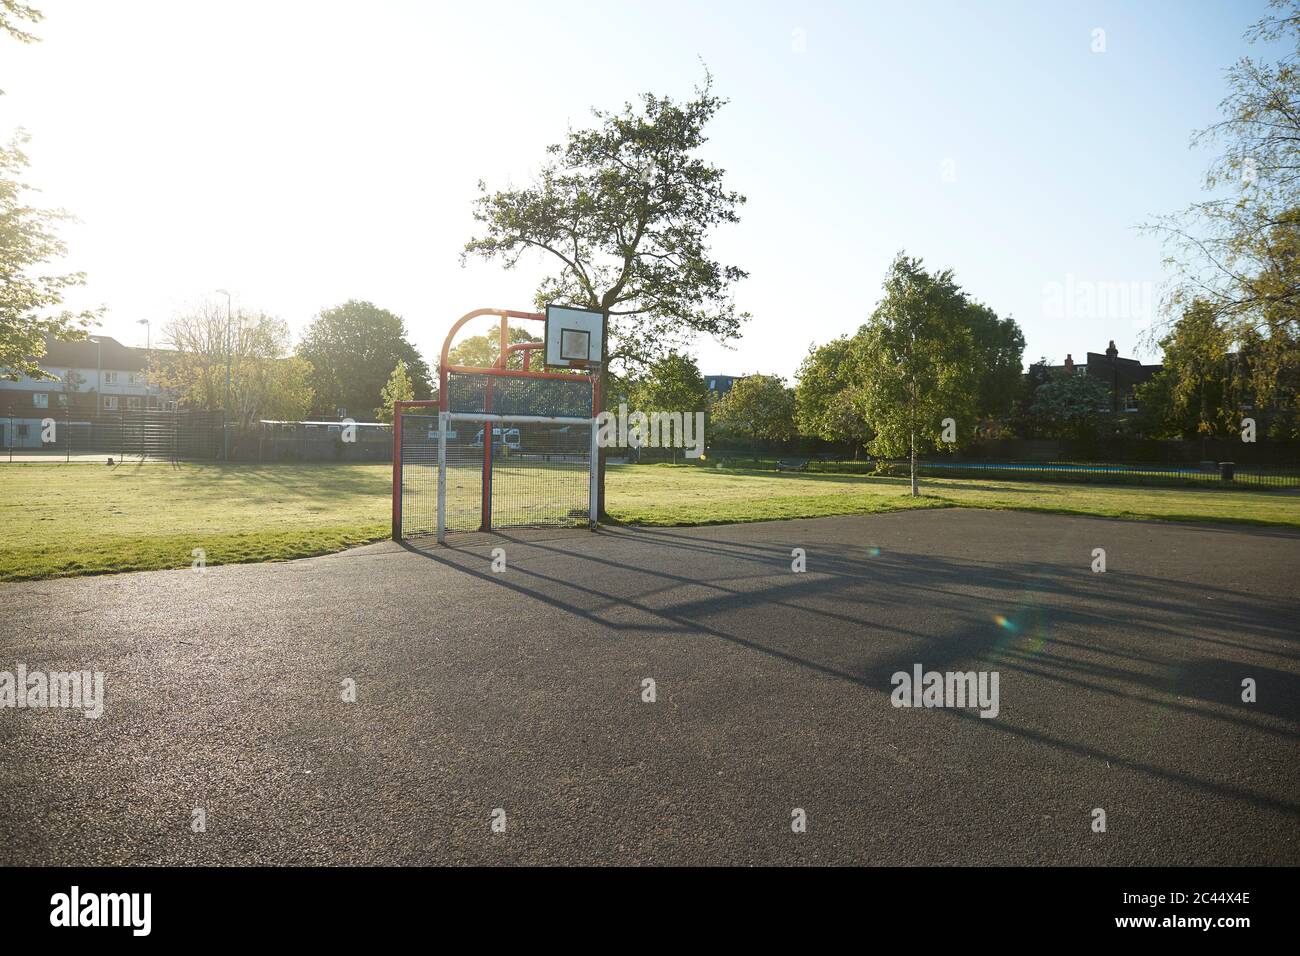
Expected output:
(509, 445)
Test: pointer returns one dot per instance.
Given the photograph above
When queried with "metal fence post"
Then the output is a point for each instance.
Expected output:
(443, 418)
(593, 480)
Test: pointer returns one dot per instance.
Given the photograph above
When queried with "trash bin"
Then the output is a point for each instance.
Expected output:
(1226, 470)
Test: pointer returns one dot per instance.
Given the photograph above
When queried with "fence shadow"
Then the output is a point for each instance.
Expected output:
(1131, 639)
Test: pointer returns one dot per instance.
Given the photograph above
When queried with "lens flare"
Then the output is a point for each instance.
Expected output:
(1030, 626)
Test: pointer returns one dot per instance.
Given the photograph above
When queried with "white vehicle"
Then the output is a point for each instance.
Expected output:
(510, 439)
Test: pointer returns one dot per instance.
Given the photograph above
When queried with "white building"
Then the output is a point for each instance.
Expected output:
(94, 378)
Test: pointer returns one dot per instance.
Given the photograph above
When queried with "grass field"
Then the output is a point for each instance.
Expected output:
(74, 519)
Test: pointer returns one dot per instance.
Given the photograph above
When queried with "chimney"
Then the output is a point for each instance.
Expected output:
(1111, 352)
(1069, 364)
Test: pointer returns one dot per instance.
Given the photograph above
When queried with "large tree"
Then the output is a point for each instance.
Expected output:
(30, 293)
(1238, 252)
(624, 211)
(918, 362)
(1000, 349)
(671, 384)
(827, 400)
(352, 349)
(760, 407)
(1197, 392)
(266, 381)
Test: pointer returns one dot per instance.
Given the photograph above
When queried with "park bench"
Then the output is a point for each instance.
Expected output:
(792, 464)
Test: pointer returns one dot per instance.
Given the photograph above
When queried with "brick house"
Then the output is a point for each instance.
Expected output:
(1121, 376)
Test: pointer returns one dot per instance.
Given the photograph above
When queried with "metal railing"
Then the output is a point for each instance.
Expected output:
(1211, 474)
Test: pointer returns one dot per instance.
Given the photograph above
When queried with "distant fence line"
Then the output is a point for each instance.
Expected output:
(183, 435)
(1218, 474)
(186, 435)
(146, 434)
(1207, 474)
(1265, 451)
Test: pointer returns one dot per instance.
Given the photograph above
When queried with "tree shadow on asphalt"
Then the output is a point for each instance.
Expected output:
(1018, 617)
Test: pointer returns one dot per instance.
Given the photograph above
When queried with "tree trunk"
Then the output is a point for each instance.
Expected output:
(915, 491)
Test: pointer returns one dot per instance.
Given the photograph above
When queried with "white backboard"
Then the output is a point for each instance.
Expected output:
(573, 337)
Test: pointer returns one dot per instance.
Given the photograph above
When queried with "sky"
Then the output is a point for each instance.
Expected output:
(300, 154)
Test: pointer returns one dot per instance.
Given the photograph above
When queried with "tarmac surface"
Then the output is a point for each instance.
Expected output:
(518, 697)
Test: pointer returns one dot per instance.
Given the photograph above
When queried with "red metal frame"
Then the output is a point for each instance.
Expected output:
(498, 370)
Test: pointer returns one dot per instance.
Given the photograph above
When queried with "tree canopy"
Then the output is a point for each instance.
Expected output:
(1197, 391)
(760, 407)
(482, 351)
(12, 14)
(266, 380)
(397, 390)
(671, 384)
(917, 362)
(1070, 406)
(12, 17)
(352, 349)
(30, 293)
(999, 353)
(624, 211)
(1237, 252)
(827, 394)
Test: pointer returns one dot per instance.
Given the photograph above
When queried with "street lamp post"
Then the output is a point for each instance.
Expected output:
(225, 407)
(148, 357)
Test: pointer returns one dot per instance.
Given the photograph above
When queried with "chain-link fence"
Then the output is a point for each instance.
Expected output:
(517, 451)
(186, 435)
(141, 435)
(537, 473)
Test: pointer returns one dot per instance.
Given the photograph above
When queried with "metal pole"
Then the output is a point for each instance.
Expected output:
(148, 357)
(225, 407)
(485, 501)
(593, 481)
(397, 471)
(443, 418)
(602, 383)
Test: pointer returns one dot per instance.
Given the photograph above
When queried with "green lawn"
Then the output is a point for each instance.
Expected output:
(60, 519)
(90, 519)
(688, 494)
